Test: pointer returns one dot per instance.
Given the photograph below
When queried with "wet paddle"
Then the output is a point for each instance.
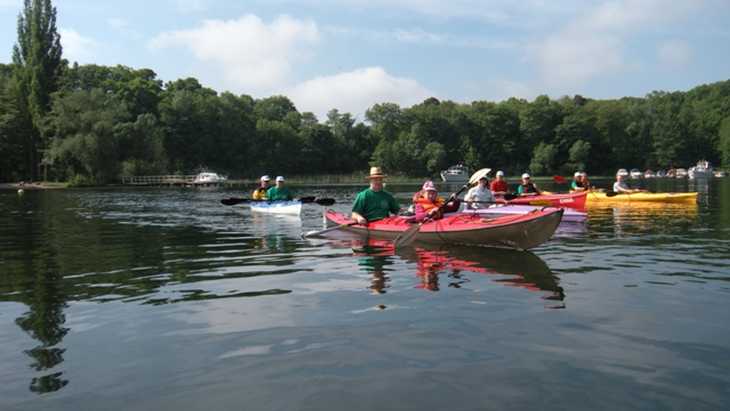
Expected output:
(407, 237)
(310, 234)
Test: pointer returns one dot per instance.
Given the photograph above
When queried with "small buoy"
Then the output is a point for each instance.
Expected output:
(20, 191)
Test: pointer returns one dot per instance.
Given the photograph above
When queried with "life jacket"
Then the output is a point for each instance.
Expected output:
(528, 188)
(426, 204)
(259, 194)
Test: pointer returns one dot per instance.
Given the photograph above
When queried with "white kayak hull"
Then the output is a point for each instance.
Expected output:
(277, 207)
(569, 215)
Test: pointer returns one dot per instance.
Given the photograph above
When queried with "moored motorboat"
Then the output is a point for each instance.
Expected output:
(601, 197)
(277, 207)
(681, 173)
(575, 200)
(455, 174)
(635, 173)
(515, 231)
(207, 177)
(569, 215)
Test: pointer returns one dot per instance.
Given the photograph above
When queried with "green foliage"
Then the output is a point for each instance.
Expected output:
(724, 142)
(37, 59)
(579, 154)
(543, 159)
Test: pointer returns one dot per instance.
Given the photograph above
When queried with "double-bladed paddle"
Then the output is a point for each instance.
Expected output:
(409, 235)
(303, 200)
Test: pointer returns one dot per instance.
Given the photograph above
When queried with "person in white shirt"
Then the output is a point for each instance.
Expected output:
(481, 193)
(620, 186)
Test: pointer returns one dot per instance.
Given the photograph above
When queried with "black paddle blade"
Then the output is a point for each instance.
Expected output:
(325, 201)
(233, 201)
(611, 194)
(305, 200)
(509, 196)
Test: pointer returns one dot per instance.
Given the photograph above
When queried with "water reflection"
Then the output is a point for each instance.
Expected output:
(438, 266)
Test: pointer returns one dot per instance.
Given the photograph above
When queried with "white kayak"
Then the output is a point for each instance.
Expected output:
(277, 207)
(569, 214)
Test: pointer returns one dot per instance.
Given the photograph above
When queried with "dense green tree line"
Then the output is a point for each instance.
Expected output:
(93, 124)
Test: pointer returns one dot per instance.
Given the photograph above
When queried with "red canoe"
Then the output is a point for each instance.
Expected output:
(513, 231)
(572, 200)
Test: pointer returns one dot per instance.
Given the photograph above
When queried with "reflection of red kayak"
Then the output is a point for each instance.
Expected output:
(572, 200)
(516, 231)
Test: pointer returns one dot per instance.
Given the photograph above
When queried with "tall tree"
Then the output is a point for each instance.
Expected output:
(37, 56)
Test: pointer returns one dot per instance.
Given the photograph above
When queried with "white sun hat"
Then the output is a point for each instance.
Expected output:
(525, 175)
(279, 178)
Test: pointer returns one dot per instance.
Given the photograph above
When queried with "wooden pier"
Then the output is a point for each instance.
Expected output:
(169, 180)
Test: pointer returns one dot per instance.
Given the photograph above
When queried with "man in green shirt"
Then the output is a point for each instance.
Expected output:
(279, 192)
(374, 203)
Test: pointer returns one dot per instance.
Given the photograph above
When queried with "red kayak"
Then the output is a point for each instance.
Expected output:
(572, 200)
(513, 231)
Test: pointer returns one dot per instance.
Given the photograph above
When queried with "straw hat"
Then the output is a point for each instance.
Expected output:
(376, 172)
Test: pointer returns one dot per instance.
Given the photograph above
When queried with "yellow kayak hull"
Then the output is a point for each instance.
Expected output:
(595, 197)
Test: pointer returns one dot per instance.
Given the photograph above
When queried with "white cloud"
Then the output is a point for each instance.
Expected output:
(355, 91)
(77, 47)
(675, 53)
(593, 43)
(252, 56)
(420, 36)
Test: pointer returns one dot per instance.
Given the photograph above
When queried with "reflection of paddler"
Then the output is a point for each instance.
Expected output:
(530, 271)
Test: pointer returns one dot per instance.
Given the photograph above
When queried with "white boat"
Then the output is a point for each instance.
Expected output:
(207, 177)
(569, 214)
(661, 174)
(635, 173)
(649, 174)
(720, 174)
(455, 174)
(681, 173)
(622, 172)
(703, 169)
(277, 207)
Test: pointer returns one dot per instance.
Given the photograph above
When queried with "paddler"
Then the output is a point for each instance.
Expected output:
(620, 185)
(279, 192)
(429, 204)
(480, 196)
(374, 203)
(499, 184)
(527, 188)
(578, 183)
(260, 192)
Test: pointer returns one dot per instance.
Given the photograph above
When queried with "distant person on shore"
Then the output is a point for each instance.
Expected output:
(279, 192)
(499, 185)
(527, 187)
(260, 193)
(479, 196)
(620, 186)
(374, 203)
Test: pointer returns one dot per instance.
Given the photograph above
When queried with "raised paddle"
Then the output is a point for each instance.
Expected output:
(559, 179)
(303, 200)
(407, 237)
(310, 234)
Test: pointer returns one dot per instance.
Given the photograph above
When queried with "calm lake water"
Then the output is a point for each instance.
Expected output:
(163, 299)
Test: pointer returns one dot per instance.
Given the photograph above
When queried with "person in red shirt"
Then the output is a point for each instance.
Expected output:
(499, 185)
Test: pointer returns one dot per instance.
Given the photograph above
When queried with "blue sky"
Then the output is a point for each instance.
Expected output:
(350, 54)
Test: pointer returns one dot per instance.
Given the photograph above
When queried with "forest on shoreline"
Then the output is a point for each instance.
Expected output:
(92, 124)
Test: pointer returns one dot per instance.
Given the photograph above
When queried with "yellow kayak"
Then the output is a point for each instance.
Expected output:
(595, 197)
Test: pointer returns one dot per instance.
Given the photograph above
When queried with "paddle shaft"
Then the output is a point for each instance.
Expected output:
(327, 230)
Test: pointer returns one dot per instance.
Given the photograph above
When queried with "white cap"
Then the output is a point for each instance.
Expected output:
(500, 173)
(279, 178)
(525, 175)
(265, 178)
(577, 174)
